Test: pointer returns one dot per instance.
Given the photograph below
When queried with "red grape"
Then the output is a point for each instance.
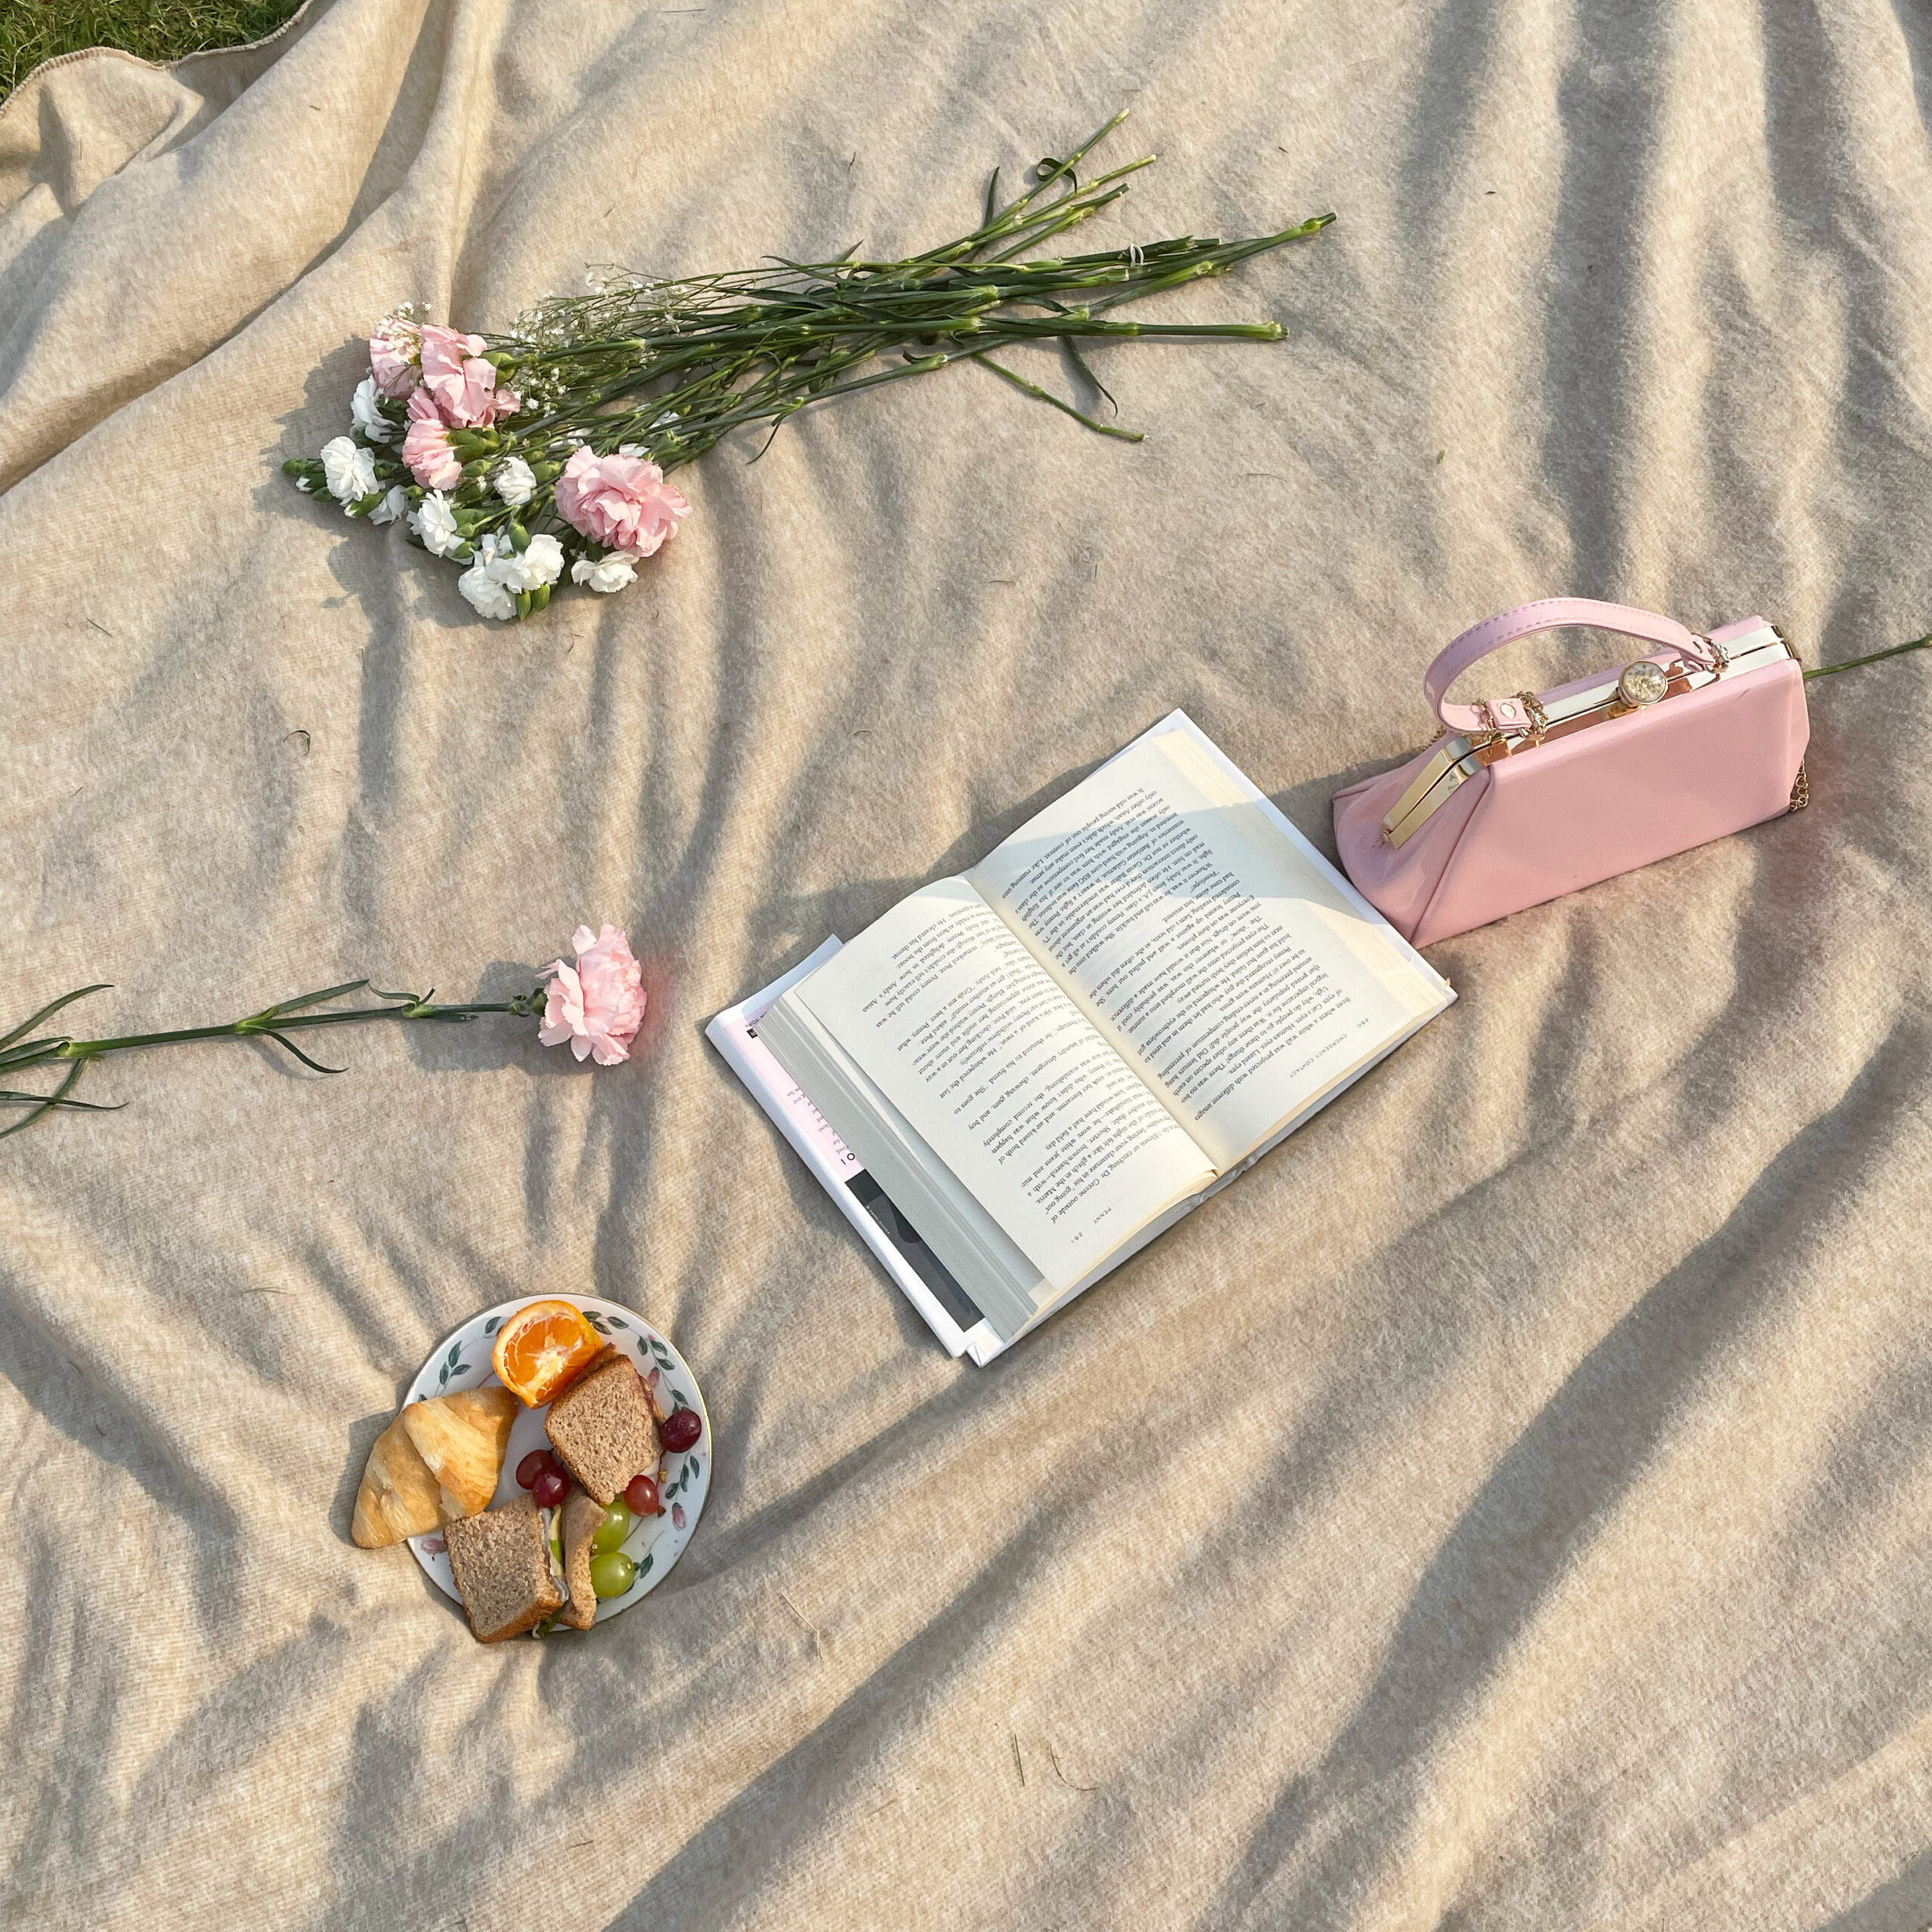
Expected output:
(550, 1488)
(681, 1429)
(532, 1466)
(641, 1494)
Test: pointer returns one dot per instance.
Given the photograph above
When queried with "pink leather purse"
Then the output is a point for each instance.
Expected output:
(1524, 798)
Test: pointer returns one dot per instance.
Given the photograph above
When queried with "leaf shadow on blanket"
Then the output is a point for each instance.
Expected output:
(731, 1859)
(1897, 1907)
(1537, 1512)
(1532, 1518)
(788, 927)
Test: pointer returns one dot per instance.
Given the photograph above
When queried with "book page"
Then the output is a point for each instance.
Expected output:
(1236, 978)
(990, 1061)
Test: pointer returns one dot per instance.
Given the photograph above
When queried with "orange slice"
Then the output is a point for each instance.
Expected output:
(542, 1348)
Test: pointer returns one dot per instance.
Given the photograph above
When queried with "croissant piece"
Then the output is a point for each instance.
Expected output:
(399, 1496)
(461, 1438)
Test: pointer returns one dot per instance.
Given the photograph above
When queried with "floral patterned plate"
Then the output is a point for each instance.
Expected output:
(462, 1360)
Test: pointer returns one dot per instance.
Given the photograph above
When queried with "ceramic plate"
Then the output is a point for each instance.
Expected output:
(462, 1360)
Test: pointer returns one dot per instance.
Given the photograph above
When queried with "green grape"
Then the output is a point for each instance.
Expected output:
(612, 1573)
(619, 1521)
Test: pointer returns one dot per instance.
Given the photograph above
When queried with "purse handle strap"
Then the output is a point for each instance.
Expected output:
(1548, 614)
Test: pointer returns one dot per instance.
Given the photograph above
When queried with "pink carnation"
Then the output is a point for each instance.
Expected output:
(463, 384)
(426, 448)
(395, 347)
(621, 501)
(598, 1005)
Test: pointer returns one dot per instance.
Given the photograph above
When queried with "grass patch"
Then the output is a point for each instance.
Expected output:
(31, 31)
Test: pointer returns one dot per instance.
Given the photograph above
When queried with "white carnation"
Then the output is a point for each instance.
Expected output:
(516, 482)
(487, 596)
(434, 522)
(369, 419)
(395, 505)
(605, 573)
(541, 563)
(630, 449)
(350, 469)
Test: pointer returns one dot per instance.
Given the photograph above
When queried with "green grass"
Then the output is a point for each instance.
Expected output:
(31, 31)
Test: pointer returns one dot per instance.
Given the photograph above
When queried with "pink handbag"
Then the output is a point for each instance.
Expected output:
(1530, 797)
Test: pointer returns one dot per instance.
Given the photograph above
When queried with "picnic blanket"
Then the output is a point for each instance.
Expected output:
(1510, 1506)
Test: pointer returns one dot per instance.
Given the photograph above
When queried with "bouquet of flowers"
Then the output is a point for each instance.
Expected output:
(548, 451)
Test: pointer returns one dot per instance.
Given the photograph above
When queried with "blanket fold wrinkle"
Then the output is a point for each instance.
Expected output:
(1507, 1507)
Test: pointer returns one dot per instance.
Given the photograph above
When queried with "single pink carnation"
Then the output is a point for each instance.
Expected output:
(426, 448)
(464, 384)
(598, 1005)
(395, 346)
(621, 501)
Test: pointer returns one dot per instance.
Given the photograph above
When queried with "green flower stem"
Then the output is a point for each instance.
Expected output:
(763, 334)
(243, 1029)
(1034, 389)
(1877, 656)
(765, 399)
(273, 1022)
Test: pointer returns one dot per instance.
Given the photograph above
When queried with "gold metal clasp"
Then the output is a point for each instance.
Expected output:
(1456, 759)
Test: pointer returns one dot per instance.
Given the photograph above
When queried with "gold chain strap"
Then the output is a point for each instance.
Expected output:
(1801, 791)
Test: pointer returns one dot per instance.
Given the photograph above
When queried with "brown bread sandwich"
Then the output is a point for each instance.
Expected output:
(603, 1427)
(578, 1521)
(506, 1570)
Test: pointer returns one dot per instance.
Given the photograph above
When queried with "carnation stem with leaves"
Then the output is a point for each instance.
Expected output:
(547, 450)
(594, 1005)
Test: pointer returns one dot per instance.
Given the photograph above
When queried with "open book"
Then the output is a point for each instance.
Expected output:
(1047, 1061)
